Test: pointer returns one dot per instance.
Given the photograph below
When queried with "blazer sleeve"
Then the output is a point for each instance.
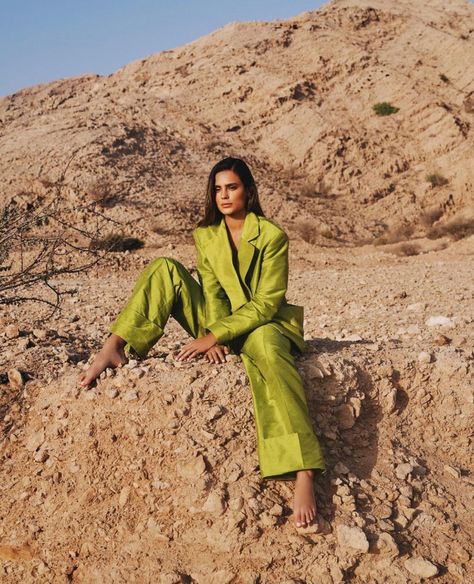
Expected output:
(271, 290)
(216, 302)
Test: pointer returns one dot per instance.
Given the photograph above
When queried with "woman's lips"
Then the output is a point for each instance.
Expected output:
(227, 204)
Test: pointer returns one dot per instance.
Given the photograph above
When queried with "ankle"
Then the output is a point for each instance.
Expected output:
(306, 472)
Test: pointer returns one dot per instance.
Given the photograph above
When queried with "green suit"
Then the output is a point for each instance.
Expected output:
(243, 304)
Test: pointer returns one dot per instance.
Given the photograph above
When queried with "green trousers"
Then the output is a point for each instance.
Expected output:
(286, 441)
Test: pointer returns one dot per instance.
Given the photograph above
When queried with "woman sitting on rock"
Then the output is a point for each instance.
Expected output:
(239, 305)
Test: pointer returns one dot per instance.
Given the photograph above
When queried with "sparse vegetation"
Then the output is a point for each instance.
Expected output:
(384, 108)
(395, 234)
(457, 228)
(406, 249)
(309, 231)
(116, 242)
(436, 180)
(429, 216)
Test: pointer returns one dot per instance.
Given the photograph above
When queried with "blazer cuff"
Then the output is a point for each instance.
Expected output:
(222, 334)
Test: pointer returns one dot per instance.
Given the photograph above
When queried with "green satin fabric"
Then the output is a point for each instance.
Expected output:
(254, 321)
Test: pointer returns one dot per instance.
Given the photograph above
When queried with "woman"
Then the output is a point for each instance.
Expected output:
(239, 304)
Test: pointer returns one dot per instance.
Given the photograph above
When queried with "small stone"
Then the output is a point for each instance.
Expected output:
(40, 334)
(12, 331)
(214, 504)
(418, 566)
(345, 416)
(425, 357)
(352, 537)
(41, 456)
(439, 321)
(112, 392)
(441, 340)
(453, 471)
(35, 440)
(138, 372)
(385, 544)
(193, 468)
(236, 504)
(123, 497)
(187, 395)
(130, 395)
(341, 468)
(276, 510)
(403, 470)
(15, 379)
(131, 364)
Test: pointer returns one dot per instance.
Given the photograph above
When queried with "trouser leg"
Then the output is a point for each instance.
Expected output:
(164, 288)
(285, 437)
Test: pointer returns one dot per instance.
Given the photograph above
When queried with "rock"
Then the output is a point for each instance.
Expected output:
(403, 470)
(193, 468)
(453, 471)
(130, 395)
(12, 331)
(386, 545)
(123, 497)
(41, 456)
(111, 392)
(15, 378)
(352, 537)
(425, 357)
(40, 334)
(341, 468)
(441, 340)
(418, 566)
(35, 440)
(345, 416)
(214, 413)
(171, 578)
(439, 321)
(187, 395)
(214, 503)
(138, 372)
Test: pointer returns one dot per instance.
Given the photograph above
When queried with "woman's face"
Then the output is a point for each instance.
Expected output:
(230, 194)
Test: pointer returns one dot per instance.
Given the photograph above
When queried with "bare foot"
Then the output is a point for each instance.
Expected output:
(112, 354)
(304, 504)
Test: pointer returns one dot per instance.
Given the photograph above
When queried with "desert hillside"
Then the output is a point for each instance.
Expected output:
(151, 476)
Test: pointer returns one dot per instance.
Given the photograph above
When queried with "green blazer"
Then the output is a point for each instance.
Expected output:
(239, 300)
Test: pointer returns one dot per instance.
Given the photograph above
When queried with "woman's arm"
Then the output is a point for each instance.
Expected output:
(267, 299)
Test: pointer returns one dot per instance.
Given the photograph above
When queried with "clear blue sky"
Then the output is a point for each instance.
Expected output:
(44, 40)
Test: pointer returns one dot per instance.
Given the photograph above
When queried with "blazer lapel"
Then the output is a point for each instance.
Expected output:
(247, 249)
(220, 253)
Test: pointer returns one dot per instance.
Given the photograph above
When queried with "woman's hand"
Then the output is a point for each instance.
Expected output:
(216, 354)
(200, 345)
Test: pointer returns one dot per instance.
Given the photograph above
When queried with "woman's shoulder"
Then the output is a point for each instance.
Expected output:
(271, 228)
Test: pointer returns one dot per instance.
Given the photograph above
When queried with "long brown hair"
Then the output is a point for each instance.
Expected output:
(212, 215)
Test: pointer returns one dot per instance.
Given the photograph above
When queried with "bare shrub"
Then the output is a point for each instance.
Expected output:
(436, 180)
(395, 234)
(116, 242)
(457, 228)
(429, 216)
(406, 249)
(101, 191)
(40, 241)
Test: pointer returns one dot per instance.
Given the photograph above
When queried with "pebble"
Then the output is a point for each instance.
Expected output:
(15, 379)
(214, 503)
(39, 334)
(41, 456)
(419, 566)
(12, 331)
(425, 357)
(341, 468)
(130, 395)
(35, 440)
(453, 471)
(403, 470)
(439, 321)
(112, 392)
(387, 545)
(193, 468)
(352, 537)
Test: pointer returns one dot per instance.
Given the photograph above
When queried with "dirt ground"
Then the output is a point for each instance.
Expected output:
(152, 476)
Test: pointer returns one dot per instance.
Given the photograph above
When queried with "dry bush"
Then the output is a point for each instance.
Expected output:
(436, 180)
(457, 228)
(309, 231)
(395, 234)
(406, 249)
(101, 191)
(116, 242)
(429, 216)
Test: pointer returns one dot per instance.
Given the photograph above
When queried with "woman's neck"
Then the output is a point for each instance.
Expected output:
(235, 223)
